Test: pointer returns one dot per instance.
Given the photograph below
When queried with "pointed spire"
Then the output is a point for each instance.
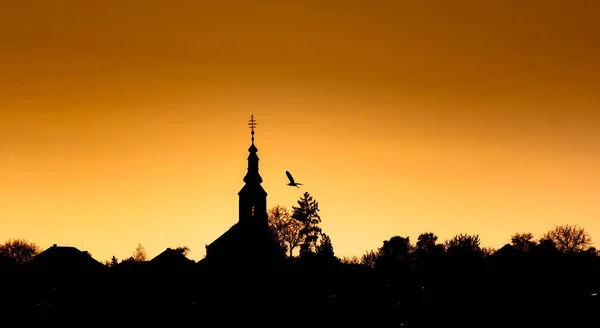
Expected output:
(252, 176)
(252, 125)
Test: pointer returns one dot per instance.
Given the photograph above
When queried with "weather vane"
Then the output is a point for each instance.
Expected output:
(252, 125)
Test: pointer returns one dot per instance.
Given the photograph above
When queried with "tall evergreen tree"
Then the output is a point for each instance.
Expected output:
(307, 212)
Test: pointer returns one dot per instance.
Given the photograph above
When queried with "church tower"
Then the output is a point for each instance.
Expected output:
(252, 196)
(249, 240)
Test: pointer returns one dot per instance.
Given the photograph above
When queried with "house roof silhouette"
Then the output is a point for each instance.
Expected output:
(64, 258)
(170, 258)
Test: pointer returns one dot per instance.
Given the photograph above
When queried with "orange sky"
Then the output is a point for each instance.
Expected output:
(126, 121)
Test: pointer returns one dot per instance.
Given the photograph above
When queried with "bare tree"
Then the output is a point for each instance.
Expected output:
(350, 260)
(369, 258)
(20, 250)
(522, 242)
(139, 255)
(285, 228)
(569, 238)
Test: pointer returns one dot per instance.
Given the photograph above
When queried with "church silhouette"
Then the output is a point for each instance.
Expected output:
(249, 242)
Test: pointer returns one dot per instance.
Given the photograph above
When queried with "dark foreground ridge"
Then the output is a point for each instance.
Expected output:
(508, 289)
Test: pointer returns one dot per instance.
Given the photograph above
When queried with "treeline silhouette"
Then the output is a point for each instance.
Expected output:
(547, 282)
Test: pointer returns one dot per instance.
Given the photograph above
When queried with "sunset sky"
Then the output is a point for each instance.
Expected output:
(125, 122)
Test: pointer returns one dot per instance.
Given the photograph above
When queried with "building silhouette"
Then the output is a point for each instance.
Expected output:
(171, 259)
(65, 260)
(249, 241)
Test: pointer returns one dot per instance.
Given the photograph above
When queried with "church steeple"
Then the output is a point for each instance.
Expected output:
(252, 176)
(252, 231)
(252, 197)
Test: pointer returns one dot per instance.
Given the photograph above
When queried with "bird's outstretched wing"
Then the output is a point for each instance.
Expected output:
(289, 175)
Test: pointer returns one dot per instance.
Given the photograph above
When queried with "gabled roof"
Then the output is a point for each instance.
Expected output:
(246, 239)
(506, 250)
(171, 257)
(231, 235)
(65, 258)
(243, 234)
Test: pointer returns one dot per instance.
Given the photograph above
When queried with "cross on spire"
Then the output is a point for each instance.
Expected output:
(252, 126)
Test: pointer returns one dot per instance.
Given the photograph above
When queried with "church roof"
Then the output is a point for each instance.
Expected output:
(245, 238)
(254, 189)
(232, 234)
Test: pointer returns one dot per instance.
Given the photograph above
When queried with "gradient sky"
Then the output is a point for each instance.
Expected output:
(125, 122)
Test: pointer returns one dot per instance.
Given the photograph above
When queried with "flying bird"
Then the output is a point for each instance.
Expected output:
(292, 182)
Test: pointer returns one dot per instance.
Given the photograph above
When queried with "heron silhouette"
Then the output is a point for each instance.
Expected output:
(292, 182)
